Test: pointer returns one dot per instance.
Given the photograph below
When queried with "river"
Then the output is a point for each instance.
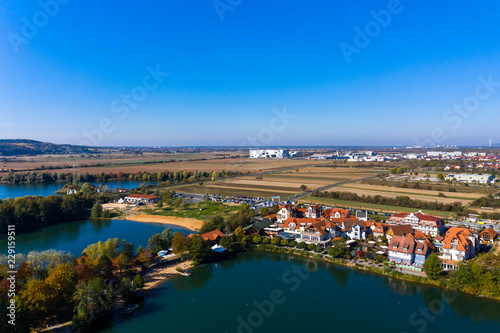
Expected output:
(46, 189)
(269, 292)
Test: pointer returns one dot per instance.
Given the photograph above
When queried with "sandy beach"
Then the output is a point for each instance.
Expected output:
(153, 279)
(192, 224)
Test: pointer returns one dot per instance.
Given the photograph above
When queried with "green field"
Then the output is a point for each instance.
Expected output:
(205, 211)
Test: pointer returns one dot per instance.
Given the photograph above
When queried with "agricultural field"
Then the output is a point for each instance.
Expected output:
(229, 164)
(416, 194)
(368, 206)
(109, 162)
(283, 183)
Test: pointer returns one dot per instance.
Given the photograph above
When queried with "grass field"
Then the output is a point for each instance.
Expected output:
(204, 212)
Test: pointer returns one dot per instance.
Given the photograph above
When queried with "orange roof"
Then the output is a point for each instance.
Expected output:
(459, 236)
(490, 231)
(342, 212)
(212, 235)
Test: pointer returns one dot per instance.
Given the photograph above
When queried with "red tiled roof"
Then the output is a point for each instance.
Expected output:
(490, 231)
(142, 196)
(212, 235)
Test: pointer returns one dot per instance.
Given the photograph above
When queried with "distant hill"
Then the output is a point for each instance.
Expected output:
(32, 147)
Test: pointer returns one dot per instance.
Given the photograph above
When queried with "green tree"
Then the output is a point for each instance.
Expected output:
(94, 303)
(311, 247)
(432, 266)
(302, 245)
(257, 239)
(156, 243)
(138, 282)
(180, 243)
(96, 211)
(275, 240)
(199, 249)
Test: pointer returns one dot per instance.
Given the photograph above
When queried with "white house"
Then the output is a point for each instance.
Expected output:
(141, 198)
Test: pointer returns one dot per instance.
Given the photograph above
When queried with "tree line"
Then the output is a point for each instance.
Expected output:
(399, 201)
(37, 211)
(162, 176)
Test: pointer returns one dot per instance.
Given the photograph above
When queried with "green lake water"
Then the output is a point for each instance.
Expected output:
(268, 292)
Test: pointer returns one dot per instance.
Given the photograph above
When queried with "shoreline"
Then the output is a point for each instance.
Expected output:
(403, 277)
(188, 223)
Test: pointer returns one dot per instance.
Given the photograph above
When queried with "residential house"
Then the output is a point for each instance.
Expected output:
(410, 249)
(339, 213)
(297, 225)
(401, 249)
(141, 198)
(460, 244)
(285, 212)
(379, 229)
(488, 236)
(355, 229)
(213, 236)
(428, 224)
(399, 230)
(319, 233)
(313, 212)
(257, 228)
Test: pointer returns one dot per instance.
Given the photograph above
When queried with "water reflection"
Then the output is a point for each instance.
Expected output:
(201, 275)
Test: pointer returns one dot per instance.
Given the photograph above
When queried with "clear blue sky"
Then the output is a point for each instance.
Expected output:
(227, 76)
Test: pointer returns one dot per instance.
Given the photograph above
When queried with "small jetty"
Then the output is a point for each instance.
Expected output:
(128, 309)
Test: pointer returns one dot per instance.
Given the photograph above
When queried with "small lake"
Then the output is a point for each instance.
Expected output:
(75, 236)
(46, 189)
(269, 293)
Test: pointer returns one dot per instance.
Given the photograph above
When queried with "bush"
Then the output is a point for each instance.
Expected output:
(284, 242)
(302, 245)
(266, 240)
(257, 239)
(275, 241)
(311, 247)
(319, 249)
(293, 244)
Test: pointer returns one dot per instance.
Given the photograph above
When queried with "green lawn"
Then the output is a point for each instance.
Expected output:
(206, 211)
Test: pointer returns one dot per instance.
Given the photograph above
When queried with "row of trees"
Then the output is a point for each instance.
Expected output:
(488, 201)
(480, 276)
(37, 211)
(399, 201)
(162, 176)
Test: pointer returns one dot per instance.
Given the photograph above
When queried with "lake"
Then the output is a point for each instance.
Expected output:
(46, 189)
(75, 236)
(269, 292)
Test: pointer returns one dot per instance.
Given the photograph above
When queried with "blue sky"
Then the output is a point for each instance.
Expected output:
(228, 78)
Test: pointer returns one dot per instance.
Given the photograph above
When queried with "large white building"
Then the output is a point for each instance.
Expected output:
(269, 153)
(466, 178)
